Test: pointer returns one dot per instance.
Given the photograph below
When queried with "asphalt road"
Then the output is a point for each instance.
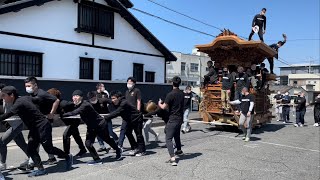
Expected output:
(277, 151)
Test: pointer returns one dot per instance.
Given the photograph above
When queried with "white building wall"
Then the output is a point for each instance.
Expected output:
(58, 19)
(61, 61)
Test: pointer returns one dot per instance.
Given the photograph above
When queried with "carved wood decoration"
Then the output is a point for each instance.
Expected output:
(228, 49)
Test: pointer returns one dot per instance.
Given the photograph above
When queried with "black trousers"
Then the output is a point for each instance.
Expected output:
(103, 133)
(72, 130)
(286, 113)
(300, 117)
(137, 127)
(316, 114)
(172, 131)
(260, 33)
(43, 136)
(271, 62)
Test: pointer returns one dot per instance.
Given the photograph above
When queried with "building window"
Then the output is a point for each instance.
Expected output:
(150, 76)
(309, 82)
(207, 69)
(184, 83)
(138, 72)
(194, 67)
(95, 18)
(183, 66)
(20, 63)
(295, 82)
(315, 82)
(105, 69)
(86, 68)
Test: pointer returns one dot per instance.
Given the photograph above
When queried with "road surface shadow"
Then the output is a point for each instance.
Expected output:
(269, 128)
(187, 156)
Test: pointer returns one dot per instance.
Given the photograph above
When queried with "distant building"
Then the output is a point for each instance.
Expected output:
(190, 67)
(297, 69)
(303, 80)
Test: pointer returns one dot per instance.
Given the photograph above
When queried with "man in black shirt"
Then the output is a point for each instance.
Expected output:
(133, 97)
(133, 94)
(259, 20)
(241, 82)
(227, 83)
(286, 107)
(175, 103)
(276, 48)
(40, 129)
(263, 76)
(47, 103)
(100, 105)
(300, 102)
(133, 119)
(212, 76)
(96, 126)
(101, 91)
(278, 107)
(246, 112)
(316, 111)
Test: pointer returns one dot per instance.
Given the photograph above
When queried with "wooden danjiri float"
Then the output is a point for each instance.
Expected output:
(228, 50)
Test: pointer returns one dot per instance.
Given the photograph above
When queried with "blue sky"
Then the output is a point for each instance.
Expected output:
(298, 19)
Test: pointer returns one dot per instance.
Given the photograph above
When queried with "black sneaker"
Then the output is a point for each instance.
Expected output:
(69, 162)
(51, 161)
(26, 167)
(104, 149)
(95, 162)
(81, 153)
(119, 154)
(179, 153)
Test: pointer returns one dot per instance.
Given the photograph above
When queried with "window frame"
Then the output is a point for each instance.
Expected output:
(109, 77)
(20, 63)
(183, 64)
(153, 78)
(138, 78)
(194, 65)
(95, 27)
(81, 74)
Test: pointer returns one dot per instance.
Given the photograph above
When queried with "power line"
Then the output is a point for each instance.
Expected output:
(185, 15)
(171, 22)
(297, 40)
(286, 63)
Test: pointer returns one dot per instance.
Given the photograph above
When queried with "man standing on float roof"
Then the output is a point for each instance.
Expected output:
(259, 20)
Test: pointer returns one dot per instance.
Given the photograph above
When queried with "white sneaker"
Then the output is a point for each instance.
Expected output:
(3, 166)
(247, 139)
(301, 125)
(296, 125)
(156, 138)
(316, 124)
(132, 152)
(278, 120)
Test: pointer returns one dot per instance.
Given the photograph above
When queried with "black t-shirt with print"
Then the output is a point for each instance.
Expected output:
(245, 103)
(187, 100)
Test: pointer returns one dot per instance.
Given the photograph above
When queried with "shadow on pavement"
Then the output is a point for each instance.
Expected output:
(269, 128)
(187, 156)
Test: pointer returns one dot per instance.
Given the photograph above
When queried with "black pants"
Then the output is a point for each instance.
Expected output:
(271, 62)
(103, 133)
(137, 128)
(300, 117)
(72, 130)
(173, 132)
(316, 114)
(43, 136)
(260, 33)
(286, 113)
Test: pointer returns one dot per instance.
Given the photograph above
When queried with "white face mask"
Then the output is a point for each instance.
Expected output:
(29, 90)
(94, 102)
(287, 94)
(129, 86)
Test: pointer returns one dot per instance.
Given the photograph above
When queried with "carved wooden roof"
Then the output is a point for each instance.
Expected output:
(229, 49)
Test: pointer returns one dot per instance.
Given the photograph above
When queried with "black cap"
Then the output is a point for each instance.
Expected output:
(9, 90)
(77, 92)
